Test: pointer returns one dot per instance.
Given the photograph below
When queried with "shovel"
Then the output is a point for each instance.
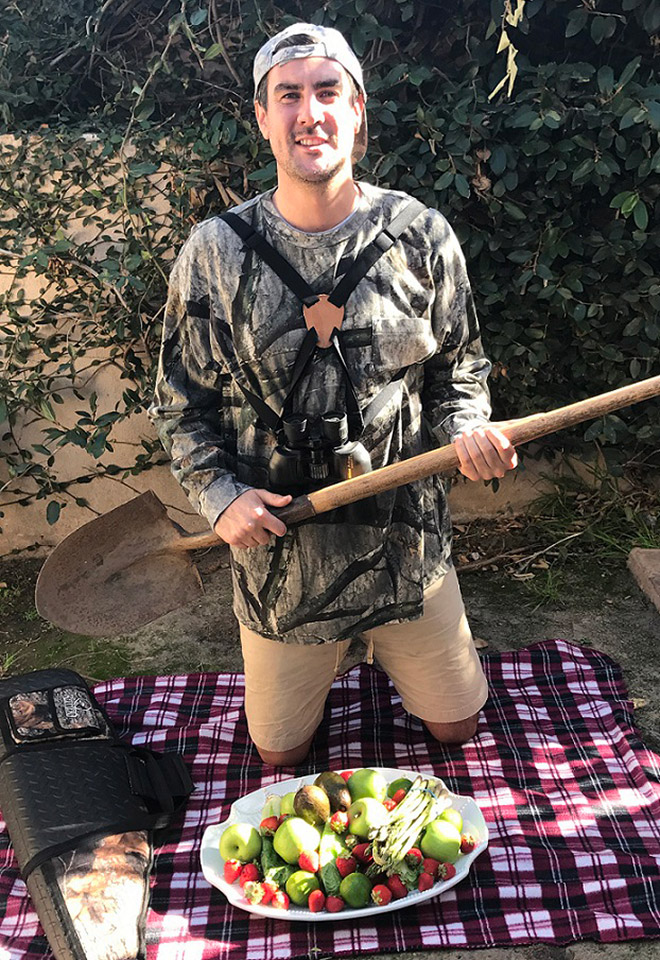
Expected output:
(134, 564)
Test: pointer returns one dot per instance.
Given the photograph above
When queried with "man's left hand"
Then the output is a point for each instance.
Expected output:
(485, 453)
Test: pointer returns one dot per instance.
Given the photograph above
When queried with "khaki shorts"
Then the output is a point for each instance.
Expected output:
(432, 662)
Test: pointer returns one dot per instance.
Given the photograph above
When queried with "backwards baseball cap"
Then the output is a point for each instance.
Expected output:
(324, 42)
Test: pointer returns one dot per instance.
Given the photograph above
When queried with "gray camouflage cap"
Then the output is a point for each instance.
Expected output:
(326, 42)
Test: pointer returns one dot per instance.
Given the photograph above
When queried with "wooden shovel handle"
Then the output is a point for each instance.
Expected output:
(444, 458)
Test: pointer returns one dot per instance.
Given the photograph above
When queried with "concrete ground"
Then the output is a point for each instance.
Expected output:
(600, 607)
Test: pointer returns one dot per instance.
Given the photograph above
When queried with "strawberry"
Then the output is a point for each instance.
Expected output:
(270, 889)
(254, 891)
(334, 904)
(280, 900)
(268, 826)
(346, 865)
(446, 871)
(346, 774)
(397, 886)
(363, 852)
(316, 901)
(249, 872)
(339, 821)
(425, 881)
(414, 857)
(232, 870)
(309, 860)
(282, 818)
(429, 865)
(350, 841)
(468, 843)
(389, 803)
(381, 894)
(399, 795)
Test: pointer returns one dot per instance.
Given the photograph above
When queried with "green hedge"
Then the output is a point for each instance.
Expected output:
(553, 193)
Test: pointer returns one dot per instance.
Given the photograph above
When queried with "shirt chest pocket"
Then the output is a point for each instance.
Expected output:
(400, 341)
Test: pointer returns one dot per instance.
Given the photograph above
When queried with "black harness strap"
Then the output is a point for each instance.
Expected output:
(287, 274)
(342, 290)
(373, 251)
(358, 269)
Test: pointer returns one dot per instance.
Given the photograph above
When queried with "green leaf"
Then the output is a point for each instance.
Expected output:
(632, 116)
(497, 160)
(514, 212)
(629, 71)
(47, 411)
(3, 410)
(641, 215)
(619, 200)
(266, 173)
(199, 16)
(629, 204)
(443, 182)
(461, 184)
(577, 20)
(605, 80)
(143, 169)
(602, 28)
(584, 169)
(53, 512)
(213, 51)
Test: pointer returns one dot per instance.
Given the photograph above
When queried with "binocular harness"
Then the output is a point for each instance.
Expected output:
(314, 451)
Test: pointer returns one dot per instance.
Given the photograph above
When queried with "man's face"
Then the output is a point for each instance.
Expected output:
(310, 121)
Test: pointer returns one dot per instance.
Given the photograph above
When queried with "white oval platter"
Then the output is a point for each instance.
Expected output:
(248, 810)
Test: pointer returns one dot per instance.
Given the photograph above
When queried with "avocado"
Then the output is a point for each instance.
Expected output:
(336, 789)
(312, 804)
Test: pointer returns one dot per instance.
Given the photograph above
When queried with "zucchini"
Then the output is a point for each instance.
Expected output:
(274, 869)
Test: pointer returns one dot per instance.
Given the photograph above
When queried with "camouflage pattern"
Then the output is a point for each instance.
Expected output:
(229, 317)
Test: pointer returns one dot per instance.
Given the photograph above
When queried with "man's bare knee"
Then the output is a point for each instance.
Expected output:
(286, 758)
(453, 733)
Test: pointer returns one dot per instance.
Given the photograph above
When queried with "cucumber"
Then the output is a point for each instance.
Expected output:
(273, 867)
(331, 847)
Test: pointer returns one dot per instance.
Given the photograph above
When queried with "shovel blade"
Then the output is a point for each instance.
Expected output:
(118, 572)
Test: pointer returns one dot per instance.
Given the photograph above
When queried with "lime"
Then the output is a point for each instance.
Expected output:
(451, 815)
(299, 886)
(355, 889)
(403, 783)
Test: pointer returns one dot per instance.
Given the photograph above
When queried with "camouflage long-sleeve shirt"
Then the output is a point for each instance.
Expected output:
(228, 315)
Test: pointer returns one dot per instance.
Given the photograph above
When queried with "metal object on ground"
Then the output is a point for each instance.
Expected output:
(120, 571)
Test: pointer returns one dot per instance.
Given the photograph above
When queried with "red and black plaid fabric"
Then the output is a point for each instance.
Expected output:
(570, 794)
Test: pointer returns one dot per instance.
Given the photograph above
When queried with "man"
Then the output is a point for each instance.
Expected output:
(408, 353)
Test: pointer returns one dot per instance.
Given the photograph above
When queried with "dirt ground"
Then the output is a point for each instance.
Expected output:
(516, 592)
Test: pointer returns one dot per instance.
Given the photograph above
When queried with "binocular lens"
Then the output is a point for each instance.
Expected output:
(295, 428)
(335, 427)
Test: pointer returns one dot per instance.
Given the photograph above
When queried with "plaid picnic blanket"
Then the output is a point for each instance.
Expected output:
(570, 795)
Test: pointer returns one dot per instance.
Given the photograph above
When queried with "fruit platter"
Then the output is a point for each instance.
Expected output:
(343, 844)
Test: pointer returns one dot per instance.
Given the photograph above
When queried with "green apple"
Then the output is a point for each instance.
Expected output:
(365, 815)
(286, 807)
(240, 841)
(294, 837)
(299, 886)
(367, 783)
(442, 841)
(452, 815)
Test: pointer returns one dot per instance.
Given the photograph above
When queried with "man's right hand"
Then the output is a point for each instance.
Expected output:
(247, 523)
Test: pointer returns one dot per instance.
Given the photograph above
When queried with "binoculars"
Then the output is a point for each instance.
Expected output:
(313, 452)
